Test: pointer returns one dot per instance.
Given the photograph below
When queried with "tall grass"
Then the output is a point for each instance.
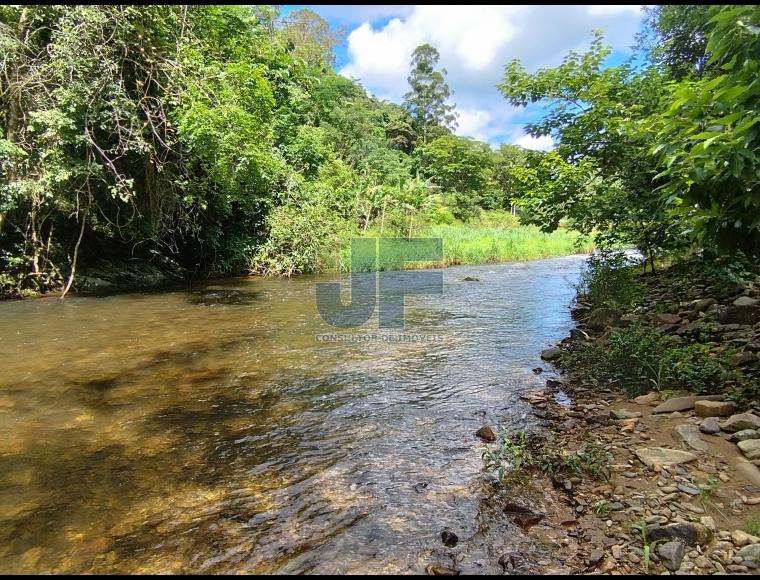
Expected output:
(496, 237)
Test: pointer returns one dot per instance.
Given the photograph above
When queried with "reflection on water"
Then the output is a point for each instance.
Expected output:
(207, 430)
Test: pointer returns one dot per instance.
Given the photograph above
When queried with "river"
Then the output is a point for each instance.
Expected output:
(207, 429)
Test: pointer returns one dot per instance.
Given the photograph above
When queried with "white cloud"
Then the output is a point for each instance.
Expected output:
(475, 42)
(544, 143)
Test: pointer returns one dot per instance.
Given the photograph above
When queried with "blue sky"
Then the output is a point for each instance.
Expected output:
(475, 43)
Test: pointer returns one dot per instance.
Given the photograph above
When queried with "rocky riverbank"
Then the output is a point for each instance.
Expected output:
(682, 492)
(684, 486)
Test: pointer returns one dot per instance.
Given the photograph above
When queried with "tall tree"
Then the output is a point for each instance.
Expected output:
(310, 37)
(426, 101)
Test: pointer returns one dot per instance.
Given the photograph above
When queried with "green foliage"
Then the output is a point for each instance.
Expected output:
(752, 525)
(608, 279)
(520, 453)
(638, 358)
(426, 101)
(708, 136)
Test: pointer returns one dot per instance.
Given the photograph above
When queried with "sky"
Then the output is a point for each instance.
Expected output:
(475, 42)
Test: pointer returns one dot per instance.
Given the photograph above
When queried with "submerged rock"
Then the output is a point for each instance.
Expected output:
(486, 434)
(449, 538)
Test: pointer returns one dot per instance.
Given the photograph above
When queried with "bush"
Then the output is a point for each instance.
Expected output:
(608, 280)
(639, 358)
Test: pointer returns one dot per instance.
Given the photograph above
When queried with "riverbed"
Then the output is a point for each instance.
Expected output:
(213, 428)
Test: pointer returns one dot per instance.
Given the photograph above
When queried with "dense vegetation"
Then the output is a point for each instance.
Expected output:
(212, 140)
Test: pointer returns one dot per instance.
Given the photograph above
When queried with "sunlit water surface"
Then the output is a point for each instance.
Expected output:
(208, 430)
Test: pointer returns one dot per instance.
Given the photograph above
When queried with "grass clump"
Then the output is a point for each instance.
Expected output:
(608, 279)
(518, 454)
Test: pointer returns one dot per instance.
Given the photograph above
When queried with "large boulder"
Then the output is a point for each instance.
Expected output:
(656, 457)
(741, 422)
(600, 318)
(746, 301)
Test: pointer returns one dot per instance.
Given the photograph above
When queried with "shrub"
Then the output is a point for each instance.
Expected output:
(608, 280)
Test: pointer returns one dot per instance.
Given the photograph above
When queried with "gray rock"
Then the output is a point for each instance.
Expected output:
(751, 553)
(667, 319)
(688, 436)
(710, 426)
(551, 354)
(741, 538)
(600, 318)
(744, 435)
(746, 301)
(659, 456)
(741, 422)
(671, 555)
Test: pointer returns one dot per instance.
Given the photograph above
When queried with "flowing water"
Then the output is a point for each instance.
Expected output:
(209, 430)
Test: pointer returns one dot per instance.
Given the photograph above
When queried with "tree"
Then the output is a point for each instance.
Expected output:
(599, 118)
(426, 101)
(310, 37)
(708, 137)
(675, 38)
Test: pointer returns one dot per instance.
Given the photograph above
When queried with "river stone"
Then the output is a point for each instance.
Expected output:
(671, 555)
(744, 435)
(750, 448)
(741, 538)
(690, 533)
(551, 354)
(602, 317)
(751, 553)
(741, 422)
(713, 408)
(710, 426)
(746, 301)
(739, 315)
(659, 456)
(703, 304)
(688, 436)
(486, 434)
(650, 397)
(750, 472)
(667, 319)
(624, 414)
